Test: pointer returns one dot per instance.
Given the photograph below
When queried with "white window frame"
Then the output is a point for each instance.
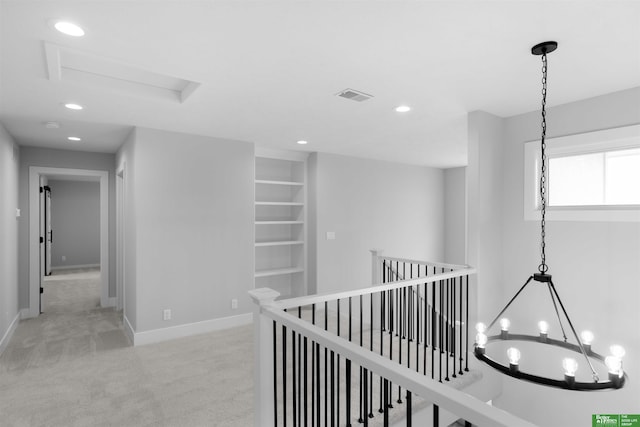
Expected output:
(605, 140)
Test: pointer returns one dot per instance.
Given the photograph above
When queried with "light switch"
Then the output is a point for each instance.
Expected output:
(331, 235)
(17, 213)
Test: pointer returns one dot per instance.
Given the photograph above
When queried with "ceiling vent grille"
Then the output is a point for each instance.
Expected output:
(354, 95)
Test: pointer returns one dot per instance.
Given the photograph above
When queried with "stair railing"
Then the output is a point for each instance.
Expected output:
(338, 359)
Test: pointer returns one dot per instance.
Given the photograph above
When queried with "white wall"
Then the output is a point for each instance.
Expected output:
(43, 157)
(455, 196)
(484, 176)
(125, 163)
(75, 222)
(193, 218)
(372, 204)
(9, 163)
(595, 266)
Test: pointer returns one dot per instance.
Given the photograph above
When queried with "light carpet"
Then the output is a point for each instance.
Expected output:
(73, 366)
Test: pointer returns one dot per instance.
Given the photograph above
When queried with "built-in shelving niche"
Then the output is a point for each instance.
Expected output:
(280, 222)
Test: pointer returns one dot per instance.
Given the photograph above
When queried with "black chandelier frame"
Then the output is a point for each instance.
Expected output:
(616, 380)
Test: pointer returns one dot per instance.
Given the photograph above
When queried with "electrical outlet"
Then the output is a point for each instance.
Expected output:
(64, 258)
(234, 304)
(166, 314)
(331, 235)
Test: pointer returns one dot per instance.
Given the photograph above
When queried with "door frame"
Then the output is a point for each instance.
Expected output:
(120, 235)
(35, 274)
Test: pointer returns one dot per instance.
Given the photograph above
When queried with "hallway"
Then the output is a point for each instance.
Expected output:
(74, 366)
(71, 325)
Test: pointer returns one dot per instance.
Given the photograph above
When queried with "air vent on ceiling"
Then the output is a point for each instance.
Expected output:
(354, 95)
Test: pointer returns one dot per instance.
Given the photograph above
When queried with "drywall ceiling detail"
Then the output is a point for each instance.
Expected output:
(64, 63)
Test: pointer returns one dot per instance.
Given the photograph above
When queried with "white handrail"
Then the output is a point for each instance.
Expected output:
(448, 398)
(430, 263)
(318, 298)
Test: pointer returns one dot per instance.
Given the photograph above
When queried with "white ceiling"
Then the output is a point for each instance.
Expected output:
(269, 70)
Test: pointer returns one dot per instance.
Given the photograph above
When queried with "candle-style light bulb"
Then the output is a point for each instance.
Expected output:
(543, 327)
(586, 337)
(504, 324)
(570, 366)
(617, 351)
(614, 364)
(481, 328)
(514, 355)
(481, 340)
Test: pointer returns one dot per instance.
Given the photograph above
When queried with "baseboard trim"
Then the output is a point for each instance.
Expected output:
(10, 330)
(73, 267)
(111, 302)
(25, 313)
(128, 330)
(189, 329)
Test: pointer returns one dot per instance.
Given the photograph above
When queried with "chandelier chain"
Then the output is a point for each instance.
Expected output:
(543, 268)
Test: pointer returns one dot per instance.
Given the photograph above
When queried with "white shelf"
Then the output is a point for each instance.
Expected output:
(291, 183)
(278, 272)
(279, 204)
(278, 222)
(280, 243)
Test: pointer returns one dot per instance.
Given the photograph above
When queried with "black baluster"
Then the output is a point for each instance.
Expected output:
(305, 383)
(440, 331)
(466, 326)
(348, 387)
(461, 330)
(284, 375)
(400, 326)
(384, 280)
(275, 376)
(361, 418)
(409, 292)
(453, 327)
(386, 399)
(436, 416)
(300, 372)
(409, 410)
(365, 409)
(326, 327)
(313, 370)
(391, 320)
(380, 409)
(448, 322)
(425, 330)
(338, 369)
(433, 328)
(371, 350)
(318, 384)
(333, 406)
(293, 376)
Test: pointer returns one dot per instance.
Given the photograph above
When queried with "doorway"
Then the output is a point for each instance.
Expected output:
(37, 239)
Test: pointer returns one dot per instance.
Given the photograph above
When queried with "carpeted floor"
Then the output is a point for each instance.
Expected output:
(73, 366)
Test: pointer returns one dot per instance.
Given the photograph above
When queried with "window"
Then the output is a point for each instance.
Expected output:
(592, 177)
(610, 178)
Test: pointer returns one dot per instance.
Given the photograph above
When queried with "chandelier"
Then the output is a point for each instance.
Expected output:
(616, 376)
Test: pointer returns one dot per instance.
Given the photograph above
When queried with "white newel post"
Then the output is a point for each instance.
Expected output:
(263, 357)
(375, 266)
(376, 279)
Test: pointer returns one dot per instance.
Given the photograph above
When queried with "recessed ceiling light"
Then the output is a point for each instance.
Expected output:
(72, 106)
(403, 109)
(302, 142)
(52, 125)
(74, 138)
(69, 28)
